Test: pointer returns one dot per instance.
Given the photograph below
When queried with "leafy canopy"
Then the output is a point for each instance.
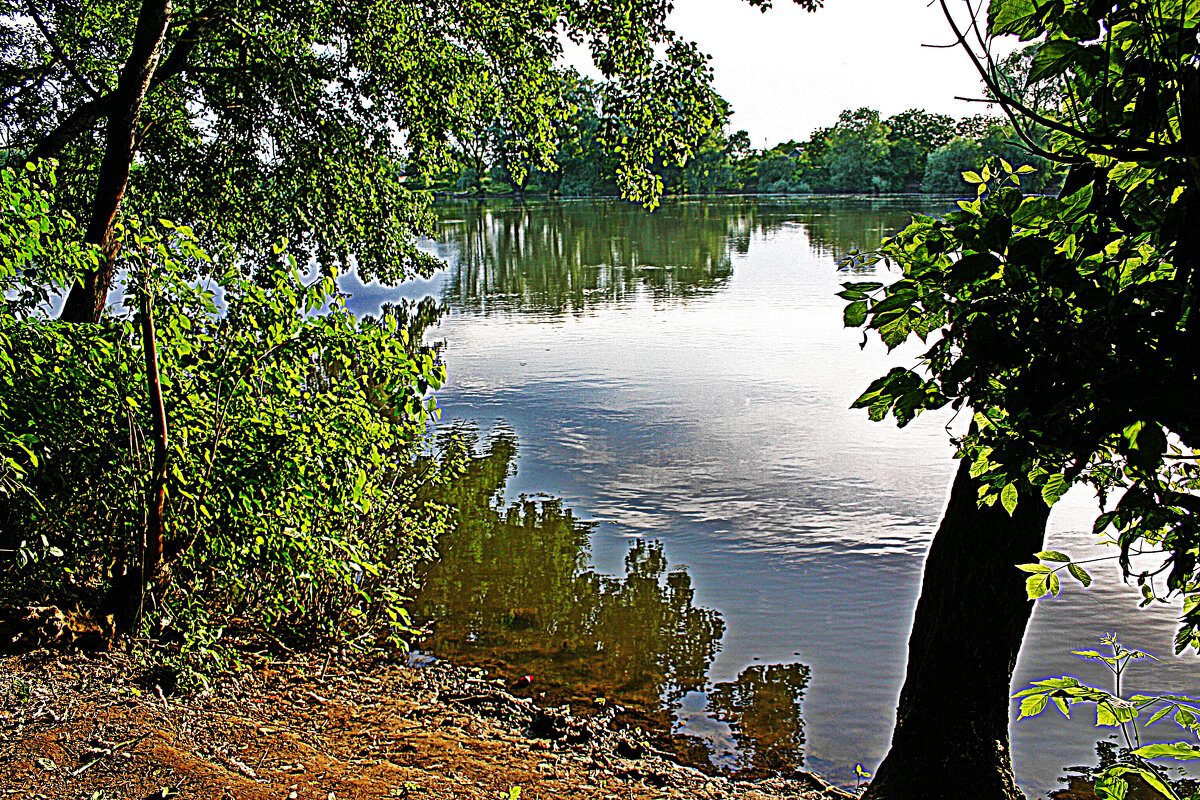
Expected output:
(307, 121)
(1065, 324)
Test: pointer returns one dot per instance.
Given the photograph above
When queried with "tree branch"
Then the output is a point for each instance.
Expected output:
(85, 117)
(76, 73)
(1117, 147)
(36, 79)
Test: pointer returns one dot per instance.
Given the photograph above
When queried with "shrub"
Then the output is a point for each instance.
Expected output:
(295, 459)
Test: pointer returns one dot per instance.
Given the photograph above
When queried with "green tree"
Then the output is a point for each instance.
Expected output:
(912, 136)
(977, 126)
(856, 154)
(931, 131)
(300, 120)
(1065, 326)
(776, 173)
(945, 166)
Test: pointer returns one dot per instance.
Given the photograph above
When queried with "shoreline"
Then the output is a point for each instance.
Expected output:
(96, 725)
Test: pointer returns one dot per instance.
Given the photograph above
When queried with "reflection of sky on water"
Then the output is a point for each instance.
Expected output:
(714, 417)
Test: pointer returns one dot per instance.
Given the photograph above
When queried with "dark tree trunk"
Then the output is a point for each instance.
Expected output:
(951, 735)
(156, 491)
(86, 299)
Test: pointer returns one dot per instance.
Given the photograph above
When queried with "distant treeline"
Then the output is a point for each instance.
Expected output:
(914, 151)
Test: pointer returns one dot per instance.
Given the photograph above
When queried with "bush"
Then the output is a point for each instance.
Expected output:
(295, 463)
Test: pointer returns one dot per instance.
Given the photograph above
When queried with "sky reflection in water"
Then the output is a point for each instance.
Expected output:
(684, 378)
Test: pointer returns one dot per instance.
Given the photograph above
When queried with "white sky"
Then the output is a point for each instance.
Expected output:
(787, 71)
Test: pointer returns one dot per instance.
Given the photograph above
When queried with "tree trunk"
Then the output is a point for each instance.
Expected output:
(87, 297)
(951, 735)
(156, 491)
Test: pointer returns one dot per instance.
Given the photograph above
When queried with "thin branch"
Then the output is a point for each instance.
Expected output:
(35, 81)
(1117, 147)
(62, 56)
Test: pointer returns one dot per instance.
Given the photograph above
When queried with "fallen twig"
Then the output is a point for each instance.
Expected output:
(108, 752)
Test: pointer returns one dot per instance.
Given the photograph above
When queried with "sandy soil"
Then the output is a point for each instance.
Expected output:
(92, 727)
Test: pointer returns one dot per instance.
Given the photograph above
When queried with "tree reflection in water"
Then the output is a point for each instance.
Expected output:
(762, 708)
(563, 257)
(513, 592)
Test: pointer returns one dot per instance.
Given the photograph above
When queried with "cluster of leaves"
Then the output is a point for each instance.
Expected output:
(1123, 70)
(1049, 322)
(36, 249)
(310, 121)
(1113, 710)
(295, 467)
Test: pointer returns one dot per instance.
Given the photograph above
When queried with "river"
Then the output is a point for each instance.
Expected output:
(711, 536)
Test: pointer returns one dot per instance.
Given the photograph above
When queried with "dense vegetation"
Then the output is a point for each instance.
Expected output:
(1065, 326)
(290, 493)
(219, 452)
(913, 151)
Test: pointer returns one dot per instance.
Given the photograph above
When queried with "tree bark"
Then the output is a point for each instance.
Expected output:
(951, 735)
(86, 299)
(156, 492)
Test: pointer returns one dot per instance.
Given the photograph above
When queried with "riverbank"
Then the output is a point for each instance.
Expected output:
(93, 726)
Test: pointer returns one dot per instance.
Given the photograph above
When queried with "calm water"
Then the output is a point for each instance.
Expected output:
(712, 538)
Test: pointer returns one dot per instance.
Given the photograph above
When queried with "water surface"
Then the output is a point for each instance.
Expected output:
(719, 543)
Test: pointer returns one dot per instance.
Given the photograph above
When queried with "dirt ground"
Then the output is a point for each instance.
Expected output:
(88, 727)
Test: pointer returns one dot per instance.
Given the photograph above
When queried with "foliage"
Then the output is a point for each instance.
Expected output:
(38, 246)
(294, 467)
(1065, 323)
(1114, 710)
(930, 131)
(307, 121)
(855, 159)
(911, 151)
(38, 243)
(945, 166)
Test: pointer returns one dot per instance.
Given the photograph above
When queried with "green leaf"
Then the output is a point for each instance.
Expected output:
(1008, 498)
(1162, 712)
(1080, 574)
(1078, 202)
(1149, 777)
(1035, 587)
(855, 314)
(1054, 488)
(1080, 26)
(1034, 212)
(1053, 58)
(1053, 555)
(857, 291)
(1033, 705)
(1039, 569)
(1111, 787)
(1012, 16)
